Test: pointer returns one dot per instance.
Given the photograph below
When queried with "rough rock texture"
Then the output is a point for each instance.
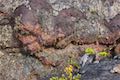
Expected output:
(70, 25)
(7, 40)
(8, 6)
(100, 71)
(65, 27)
(60, 29)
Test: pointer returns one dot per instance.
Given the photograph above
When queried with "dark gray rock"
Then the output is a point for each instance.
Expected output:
(100, 71)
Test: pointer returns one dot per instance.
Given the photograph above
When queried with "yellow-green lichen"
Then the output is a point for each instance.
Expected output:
(103, 54)
(89, 51)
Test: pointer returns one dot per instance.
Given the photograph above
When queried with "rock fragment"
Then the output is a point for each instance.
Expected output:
(116, 69)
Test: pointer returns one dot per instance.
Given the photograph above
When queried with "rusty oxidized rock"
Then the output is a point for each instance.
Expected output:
(64, 31)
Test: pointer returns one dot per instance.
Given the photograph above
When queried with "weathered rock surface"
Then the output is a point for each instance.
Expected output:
(100, 71)
(6, 36)
(50, 25)
(71, 24)
(74, 21)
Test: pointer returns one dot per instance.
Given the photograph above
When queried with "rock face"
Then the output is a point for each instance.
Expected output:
(70, 25)
(58, 28)
(64, 28)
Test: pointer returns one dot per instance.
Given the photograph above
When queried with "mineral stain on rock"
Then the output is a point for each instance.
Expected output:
(63, 22)
(64, 30)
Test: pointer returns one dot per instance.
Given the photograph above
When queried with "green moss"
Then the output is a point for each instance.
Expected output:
(58, 78)
(54, 78)
(77, 77)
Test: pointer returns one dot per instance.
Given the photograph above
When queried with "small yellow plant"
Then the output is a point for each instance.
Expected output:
(68, 69)
(69, 72)
(89, 51)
